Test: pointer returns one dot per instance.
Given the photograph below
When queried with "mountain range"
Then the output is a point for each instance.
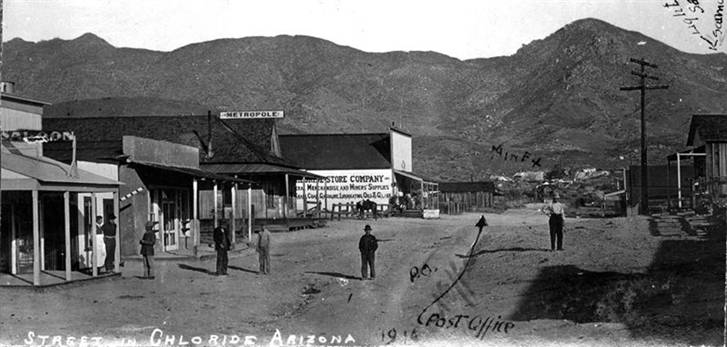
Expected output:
(556, 102)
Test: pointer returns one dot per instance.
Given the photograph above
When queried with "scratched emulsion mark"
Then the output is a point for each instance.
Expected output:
(703, 19)
(445, 318)
(512, 156)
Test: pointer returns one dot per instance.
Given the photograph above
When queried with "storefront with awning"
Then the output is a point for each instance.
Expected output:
(48, 233)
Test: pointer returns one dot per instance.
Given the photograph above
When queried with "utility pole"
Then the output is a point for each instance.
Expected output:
(644, 205)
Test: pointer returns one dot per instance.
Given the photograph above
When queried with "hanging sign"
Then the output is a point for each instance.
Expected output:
(252, 115)
(37, 136)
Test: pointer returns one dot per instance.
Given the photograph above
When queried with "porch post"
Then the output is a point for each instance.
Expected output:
(234, 211)
(195, 221)
(249, 212)
(305, 200)
(668, 183)
(67, 231)
(214, 209)
(14, 243)
(94, 239)
(117, 249)
(679, 179)
(36, 240)
(318, 199)
(325, 194)
(421, 195)
(285, 198)
(41, 228)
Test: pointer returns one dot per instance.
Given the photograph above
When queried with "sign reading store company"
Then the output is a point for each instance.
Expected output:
(346, 186)
(252, 115)
(35, 136)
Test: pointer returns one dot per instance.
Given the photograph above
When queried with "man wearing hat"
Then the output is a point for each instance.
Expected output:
(221, 237)
(556, 212)
(263, 249)
(147, 249)
(367, 245)
(109, 238)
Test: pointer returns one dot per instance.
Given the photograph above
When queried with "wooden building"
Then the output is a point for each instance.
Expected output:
(355, 167)
(241, 148)
(458, 197)
(162, 183)
(47, 234)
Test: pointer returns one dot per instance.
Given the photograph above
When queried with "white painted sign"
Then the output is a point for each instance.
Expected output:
(252, 115)
(345, 186)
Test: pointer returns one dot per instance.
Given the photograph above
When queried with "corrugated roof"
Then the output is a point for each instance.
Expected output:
(337, 151)
(47, 170)
(461, 187)
(709, 127)
(236, 141)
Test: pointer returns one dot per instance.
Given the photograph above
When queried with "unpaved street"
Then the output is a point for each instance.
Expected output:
(614, 284)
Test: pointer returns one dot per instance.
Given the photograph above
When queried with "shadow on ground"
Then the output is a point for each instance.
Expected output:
(679, 299)
(198, 269)
(242, 269)
(513, 249)
(334, 274)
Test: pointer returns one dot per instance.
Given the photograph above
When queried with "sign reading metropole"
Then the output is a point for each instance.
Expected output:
(37, 136)
(347, 186)
(252, 115)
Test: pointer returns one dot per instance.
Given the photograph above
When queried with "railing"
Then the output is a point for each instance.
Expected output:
(349, 210)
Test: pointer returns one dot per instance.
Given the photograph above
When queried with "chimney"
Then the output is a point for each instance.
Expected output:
(7, 87)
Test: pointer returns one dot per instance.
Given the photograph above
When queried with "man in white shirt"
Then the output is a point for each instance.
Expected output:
(557, 213)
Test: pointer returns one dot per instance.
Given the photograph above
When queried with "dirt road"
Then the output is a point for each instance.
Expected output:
(613, 284)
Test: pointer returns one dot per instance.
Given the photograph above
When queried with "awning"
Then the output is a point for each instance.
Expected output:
(193, 172)
(415, 177)
(258, 169)
(23, 172)
(694, 152)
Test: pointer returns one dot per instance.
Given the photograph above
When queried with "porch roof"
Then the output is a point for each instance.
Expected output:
(415, 177)
(257, 169)
(193, 172)
(37, 172)
(694, 152)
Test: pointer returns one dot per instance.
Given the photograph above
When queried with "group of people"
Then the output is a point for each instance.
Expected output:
(367, 245)
(223, 243)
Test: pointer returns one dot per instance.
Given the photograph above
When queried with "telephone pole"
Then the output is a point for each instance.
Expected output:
(644, 205)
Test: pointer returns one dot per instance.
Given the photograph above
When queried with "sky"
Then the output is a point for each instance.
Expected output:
(462, 29)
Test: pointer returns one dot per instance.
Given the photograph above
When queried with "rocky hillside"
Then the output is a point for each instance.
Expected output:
(556, 99)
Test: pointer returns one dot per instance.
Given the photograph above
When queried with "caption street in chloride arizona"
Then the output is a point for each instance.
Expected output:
(363, 173)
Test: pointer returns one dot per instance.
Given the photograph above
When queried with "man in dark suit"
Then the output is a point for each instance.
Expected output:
(147, 248)
(109, 238)
(367, 245)
(222, 244)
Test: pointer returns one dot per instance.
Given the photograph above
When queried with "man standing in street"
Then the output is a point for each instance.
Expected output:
(263, 250)
(367, 245)
(557, 214)
(147, 249)
(222, 244)
(109, 238)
